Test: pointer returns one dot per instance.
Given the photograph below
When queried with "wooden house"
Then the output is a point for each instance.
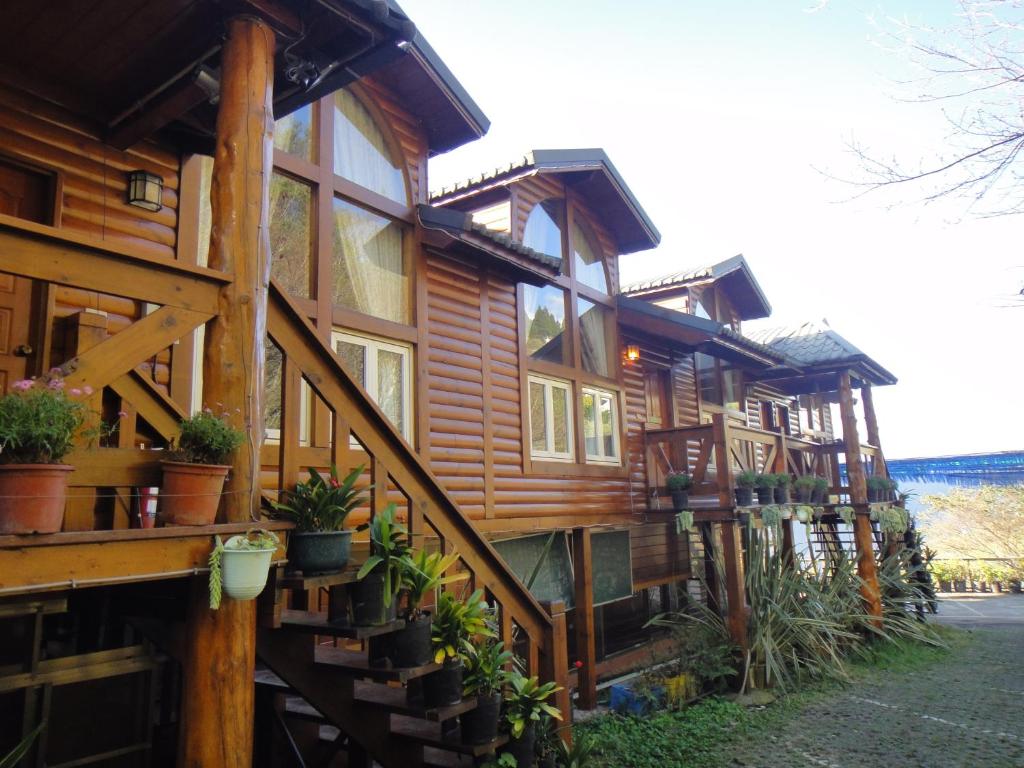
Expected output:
(225, 203)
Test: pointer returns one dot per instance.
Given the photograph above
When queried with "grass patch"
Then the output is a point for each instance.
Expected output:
(700, 736)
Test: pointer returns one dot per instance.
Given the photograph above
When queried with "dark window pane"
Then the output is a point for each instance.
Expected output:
(707, 379)
(290, 250)
(544, 309)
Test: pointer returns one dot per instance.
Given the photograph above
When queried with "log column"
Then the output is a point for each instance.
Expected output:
(732, 549)
(871, 422)
(217, 697)
(866, 567)
(586, 652)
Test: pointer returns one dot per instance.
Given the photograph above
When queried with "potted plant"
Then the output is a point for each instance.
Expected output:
(820, 493)
(878, 488)
(765, 485)
(525, 701)
(422, 573)
(804, 485)
(847, 514)
(373, 597)
(782, 480)
(39, 420)
(239, 566)
(194, 474)
(679, 484)
(483, 676)
(457, 624)
(545, 745)
(744, 491)
(319, 508)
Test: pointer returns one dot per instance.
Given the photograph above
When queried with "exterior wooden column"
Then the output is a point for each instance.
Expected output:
(871, 423)
(220, 654)
(732, 550)
(554, 666)
(586, 651)
(233, 360)
(781, 466)
(863, 537)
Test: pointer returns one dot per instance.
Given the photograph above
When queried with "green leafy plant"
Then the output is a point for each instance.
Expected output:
(679, 481)
(893, 520)
(457, 622)
(526, 700)
(846, 514)
(485, 669)
(207, 439)
(39, 420)
(322, 503)
(746, 479)
(804, 513)
(702, 648)
(820, 484)
(771, 516)
(684, 520)
(253, 539)
(765, 481)
(804, 482)
(389, 546)
(504, 760)
(12, 758)
(782, 480)
(423, 573)
(580, 754)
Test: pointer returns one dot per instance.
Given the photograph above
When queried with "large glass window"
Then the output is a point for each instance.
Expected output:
(707, 379)
(588, 262)
(543, 230)
(361, 152)
(290, 245)
(384, 368)
(593, 337)
(294, 133)
(368, 264)
(550, 419)
(544, 309)
(600, 426)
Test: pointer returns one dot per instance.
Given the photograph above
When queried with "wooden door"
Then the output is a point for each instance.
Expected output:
(15, 303)
(659, 405)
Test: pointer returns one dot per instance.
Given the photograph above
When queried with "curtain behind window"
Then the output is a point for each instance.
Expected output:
(368, 265)
(361, 153)
(593, 339)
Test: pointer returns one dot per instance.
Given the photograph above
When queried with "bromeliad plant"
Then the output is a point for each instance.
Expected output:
(389, 546)
(486, 665)
(422, 574)
(322, 504)
(457, 623)
(525, 701)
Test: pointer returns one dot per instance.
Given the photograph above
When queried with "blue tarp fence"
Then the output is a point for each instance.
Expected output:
(1003, 468)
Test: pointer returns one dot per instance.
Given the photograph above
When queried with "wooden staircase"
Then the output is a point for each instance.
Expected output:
(345, 684)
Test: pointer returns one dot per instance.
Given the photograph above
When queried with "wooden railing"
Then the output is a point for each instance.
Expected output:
(694, 450)
(396, 471)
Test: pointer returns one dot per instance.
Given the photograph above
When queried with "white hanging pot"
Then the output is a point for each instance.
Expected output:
(244, 571)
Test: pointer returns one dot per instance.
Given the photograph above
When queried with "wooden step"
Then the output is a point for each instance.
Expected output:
(265, 677)
(316, 623)
(429, 735)
(299, 580)
(396, 700)
(355, 664)
(439, 758)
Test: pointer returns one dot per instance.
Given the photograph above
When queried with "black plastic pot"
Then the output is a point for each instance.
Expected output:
(875, 494)
(548, 761)
(366, 599)
(803, 495)
(744, 497)
(410, 646)
(320, 551)
(522, 749)
(680, 500)
(781, 493)
(480, 725)
(443, 687)
(818, 496)
(765, 496)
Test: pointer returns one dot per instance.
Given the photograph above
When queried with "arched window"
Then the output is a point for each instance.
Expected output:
(587, 260)
(543, 230)
(361, 152)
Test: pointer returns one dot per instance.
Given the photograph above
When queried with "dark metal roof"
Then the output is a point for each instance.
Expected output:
(734, 274)
(589, 172)
(696, 334)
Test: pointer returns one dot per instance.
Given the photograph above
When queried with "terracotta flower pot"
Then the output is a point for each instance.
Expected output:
(191, 493)
(32, 497)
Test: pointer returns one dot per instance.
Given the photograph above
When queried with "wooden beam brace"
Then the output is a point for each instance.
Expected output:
(159, 411)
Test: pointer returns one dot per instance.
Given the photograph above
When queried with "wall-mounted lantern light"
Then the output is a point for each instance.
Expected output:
(632, 352)
(145, 190)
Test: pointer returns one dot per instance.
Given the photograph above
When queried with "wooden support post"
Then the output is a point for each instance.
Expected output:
(782, 467)
(586, 652)
(555, 665)
(863, 536)
(732, 550)
(871, 423)
(220, 656)
(85, 330)
(233, 361)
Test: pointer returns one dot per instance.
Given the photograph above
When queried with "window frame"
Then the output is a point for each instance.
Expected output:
(376, 344)
(601, 458)
(549, 384)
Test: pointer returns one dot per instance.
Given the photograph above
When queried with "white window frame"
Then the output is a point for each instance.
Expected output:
(373, 344)
(549, 386)
(598, 395)
(306, 409)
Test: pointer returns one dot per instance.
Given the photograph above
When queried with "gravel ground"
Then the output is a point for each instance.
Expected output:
(966, 711)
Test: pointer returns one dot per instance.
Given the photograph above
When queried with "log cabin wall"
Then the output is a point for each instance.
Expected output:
(89, 199)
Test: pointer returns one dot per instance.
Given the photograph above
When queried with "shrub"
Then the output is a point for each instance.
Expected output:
(746, 479)
(765, 481)
(678, 481)
(207, 439)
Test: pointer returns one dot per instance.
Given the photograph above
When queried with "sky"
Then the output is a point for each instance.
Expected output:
(729, 121)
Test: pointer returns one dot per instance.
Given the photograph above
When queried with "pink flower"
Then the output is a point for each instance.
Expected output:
(56, 384)
(87, 389)
(122, 414)
(23, 384)
(208, 411)
(56, 372)
(75, 391)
